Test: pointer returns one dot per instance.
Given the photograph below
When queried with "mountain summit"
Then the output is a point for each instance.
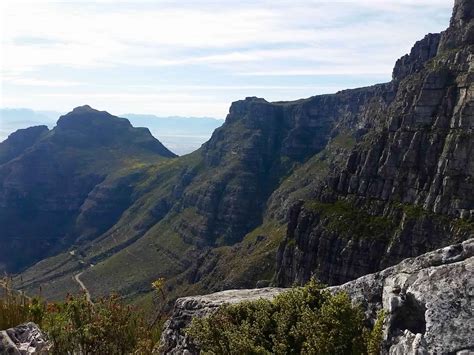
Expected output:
(49, 177)
(85, 126)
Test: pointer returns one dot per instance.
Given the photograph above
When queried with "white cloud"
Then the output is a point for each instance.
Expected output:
(209, 42)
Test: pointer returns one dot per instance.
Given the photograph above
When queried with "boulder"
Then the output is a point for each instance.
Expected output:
(24, 339)
(428, 301)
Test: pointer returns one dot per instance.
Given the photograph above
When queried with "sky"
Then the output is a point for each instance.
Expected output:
(193, 58)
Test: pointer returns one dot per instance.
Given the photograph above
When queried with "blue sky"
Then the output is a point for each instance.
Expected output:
(193, 58)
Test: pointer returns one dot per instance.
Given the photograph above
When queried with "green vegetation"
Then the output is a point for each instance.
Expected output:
(105, 327)
(305, 320)
(258, 249)
(413, 211)
(439, 62)
(77, 326)
(374, 339)
(416, 212)
(463, 225)
(344, 218)
(343, 140)
(15, 307)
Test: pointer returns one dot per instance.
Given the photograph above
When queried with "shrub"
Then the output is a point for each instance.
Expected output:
(78, 326)
(374, 338)
(105, 327)
(305, 320)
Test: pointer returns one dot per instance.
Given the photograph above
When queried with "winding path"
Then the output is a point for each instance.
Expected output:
(83, 287)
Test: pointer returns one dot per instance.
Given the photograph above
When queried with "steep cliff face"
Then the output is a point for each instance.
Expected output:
(407, 185)
(60, 185)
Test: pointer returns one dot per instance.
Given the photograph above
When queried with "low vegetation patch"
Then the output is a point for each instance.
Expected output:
(347, 220)
(78, 326)
(15, 307)
(416, 212)
(305, 320)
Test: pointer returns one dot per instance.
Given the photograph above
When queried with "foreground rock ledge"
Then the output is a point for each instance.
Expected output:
(429, 301)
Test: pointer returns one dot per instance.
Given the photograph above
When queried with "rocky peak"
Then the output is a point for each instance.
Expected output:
(459, 33)
(250, 107)
(422, 51)
(83, 117)
(463, 13)
(84, 108)
(461, 27)
(85, 126)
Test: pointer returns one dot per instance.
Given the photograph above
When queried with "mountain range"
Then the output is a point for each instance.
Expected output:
(332, 186)
(182, 135)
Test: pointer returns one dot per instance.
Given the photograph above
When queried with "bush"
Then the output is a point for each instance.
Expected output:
(305, 320)
(374, 338)
(105, 327)
(78, 326)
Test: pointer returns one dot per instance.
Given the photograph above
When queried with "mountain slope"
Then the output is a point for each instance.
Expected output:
(335, 186)
(59, 186)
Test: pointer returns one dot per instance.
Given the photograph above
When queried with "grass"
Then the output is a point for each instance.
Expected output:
(14, 306)
(343, 140)
(242, 265)
(416, 212)
(463, 225)
(344, 218)
(258, 249)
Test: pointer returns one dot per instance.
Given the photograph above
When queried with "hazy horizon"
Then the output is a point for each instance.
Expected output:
(195, 58)
(182, 135)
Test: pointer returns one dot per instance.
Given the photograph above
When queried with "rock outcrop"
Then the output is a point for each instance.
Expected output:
(428, 301)
(25, 339)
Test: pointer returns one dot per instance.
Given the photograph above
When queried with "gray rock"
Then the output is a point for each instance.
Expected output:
(428, 300)
(24, 339)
